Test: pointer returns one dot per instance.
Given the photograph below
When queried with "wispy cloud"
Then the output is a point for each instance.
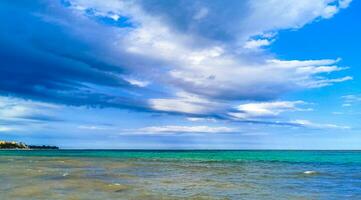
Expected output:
(94, 127)
(6, 128)
(351, 99)
(136, 82)
(267, 109)
(16, 108)
(309, 124)
(200, 119)
(186, 103)
(184, 129)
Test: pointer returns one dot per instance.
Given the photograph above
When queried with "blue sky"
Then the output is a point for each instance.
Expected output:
(158, 74)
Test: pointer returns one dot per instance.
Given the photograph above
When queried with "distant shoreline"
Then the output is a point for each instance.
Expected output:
(12, 145)
(182, 150)
(27, 149)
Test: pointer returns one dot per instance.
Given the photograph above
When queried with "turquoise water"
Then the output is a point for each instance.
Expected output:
(107, 174)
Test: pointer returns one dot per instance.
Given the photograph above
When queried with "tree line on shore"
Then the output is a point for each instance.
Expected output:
(20, 145)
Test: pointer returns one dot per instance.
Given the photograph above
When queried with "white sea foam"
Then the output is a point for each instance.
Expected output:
(310, 172)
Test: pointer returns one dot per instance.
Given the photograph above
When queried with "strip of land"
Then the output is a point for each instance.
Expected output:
(20, 145)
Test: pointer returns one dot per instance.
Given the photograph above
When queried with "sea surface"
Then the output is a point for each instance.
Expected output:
(158, 175)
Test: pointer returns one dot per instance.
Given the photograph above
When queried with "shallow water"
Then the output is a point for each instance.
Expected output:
(80, 174)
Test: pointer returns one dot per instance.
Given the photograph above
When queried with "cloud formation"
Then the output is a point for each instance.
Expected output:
(204, 61)
(141, 55)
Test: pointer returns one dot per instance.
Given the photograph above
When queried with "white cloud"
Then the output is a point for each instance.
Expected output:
(199, 119)
(280, 14)
(18, 108)
(225, 77)
(308, 67)
(136, 82)
(185, 129)
(185, 103)
(6, 128)
(266, 109)
(309, 124)
(255, 44)
(93, 127)
(327, 82)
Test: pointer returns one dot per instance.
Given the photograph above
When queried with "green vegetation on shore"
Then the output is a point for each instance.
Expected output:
(20, 145)
(12, 145)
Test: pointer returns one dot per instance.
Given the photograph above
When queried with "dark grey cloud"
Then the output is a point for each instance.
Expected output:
(42, 59)
(223, 18)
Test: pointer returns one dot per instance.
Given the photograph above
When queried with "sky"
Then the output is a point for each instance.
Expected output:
(202, 74)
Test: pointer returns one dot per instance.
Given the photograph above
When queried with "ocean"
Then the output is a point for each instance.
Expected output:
(158, 175)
